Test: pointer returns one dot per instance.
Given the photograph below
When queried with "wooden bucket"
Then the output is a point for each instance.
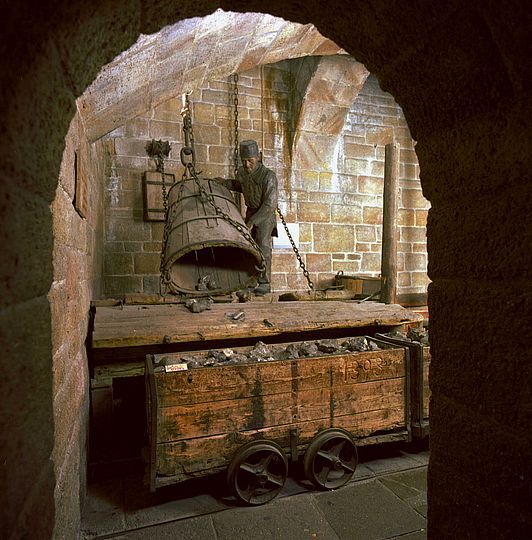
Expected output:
(205, 253)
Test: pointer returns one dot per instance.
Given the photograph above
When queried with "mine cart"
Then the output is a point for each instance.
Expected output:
(251, 410)
(124, 334)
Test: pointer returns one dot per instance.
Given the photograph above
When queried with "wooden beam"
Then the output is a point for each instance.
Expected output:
(389, 224)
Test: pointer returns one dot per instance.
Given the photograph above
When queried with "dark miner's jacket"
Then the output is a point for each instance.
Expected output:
(260, 193)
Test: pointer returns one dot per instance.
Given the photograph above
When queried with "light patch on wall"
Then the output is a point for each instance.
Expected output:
(215, 22)
(278, 140)
(114, 182)
(337, 163)
(80, 201)
(282, 241)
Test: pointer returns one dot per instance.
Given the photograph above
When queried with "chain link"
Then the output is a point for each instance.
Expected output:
(235, 104)
(296, 251)
(162, 283)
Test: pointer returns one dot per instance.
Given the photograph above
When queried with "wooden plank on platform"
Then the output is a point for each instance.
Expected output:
(134, 326)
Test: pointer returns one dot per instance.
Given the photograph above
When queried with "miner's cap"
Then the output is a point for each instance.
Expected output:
(248, 149)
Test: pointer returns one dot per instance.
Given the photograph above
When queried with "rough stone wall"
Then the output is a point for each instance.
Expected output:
(77, 274)
(336, 203)
(461, 73)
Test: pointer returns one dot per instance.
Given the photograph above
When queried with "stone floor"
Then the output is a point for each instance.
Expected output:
(385, 499)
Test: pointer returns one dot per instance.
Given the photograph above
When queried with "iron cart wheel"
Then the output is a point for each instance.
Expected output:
(331, 459)
(257, 472)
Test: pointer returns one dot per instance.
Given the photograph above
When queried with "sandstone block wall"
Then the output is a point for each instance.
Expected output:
(77, 279)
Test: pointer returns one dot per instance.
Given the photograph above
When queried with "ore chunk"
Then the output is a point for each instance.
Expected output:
(266, 359)
(168, 361)
(397, 334)
(328, 345)
(418, 334)
(289, 353)
(356, 344)
(261, 349)
(197, 306)
(260, 353)
(373, 346)
(238, 359)
(206, 283)
(192, 362)
(221, 355)
(308, 349)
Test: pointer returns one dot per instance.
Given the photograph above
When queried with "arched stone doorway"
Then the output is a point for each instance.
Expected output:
(458, 73)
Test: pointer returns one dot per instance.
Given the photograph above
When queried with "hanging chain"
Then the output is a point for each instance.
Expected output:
(296, 251)
(235, 104)
(159, 150)
(162, 283)
(188, 153)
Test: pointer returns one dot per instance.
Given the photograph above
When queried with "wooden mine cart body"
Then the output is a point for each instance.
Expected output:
(198, 418)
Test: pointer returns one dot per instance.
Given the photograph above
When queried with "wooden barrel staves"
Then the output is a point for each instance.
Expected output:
(205, 253)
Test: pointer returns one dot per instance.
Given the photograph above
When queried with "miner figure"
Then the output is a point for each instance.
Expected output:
(259, 186)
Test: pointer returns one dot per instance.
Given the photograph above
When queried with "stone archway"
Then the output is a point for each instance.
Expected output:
(176, 60)
(458, 73)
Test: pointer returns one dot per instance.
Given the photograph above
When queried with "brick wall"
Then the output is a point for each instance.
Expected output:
(77, 270)
(338, 206)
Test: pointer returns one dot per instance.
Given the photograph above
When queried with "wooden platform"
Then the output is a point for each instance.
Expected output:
(151, 325)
